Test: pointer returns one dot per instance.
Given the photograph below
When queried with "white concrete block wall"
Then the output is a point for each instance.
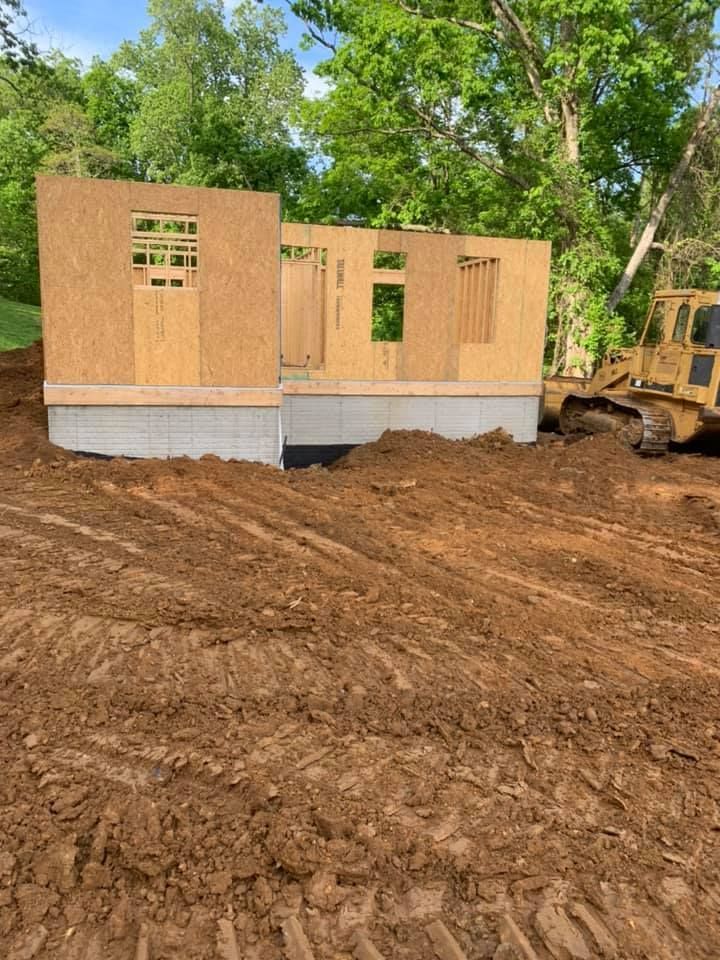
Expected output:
(241, 433)
(254, 433)
(343, 420)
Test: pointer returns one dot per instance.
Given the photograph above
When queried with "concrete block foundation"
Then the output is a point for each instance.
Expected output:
(307, 429)
(240, 433)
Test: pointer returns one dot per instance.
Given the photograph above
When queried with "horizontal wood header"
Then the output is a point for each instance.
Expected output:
(412, 388)
(101, 395)
(105, 395)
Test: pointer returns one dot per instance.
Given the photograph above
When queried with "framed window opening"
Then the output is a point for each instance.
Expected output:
(164, 250)
(316, 255)
(389, 260)
(476, 302)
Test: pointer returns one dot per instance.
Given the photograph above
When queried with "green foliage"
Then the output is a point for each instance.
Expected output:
(211, 100)
(19, 324)
(43, 128)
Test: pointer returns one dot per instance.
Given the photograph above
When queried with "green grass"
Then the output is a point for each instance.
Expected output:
(19, 324)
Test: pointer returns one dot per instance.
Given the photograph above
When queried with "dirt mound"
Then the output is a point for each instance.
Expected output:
(23, 438)
(398, 448)
(444, 700)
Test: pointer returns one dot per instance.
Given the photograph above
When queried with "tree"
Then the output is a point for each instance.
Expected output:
(563, 116)
(690, 240)
(647, 236)
(15, 47)
(73, 149)
(43, 127)
(213, 99)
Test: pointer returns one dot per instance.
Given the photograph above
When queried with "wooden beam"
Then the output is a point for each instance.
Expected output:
(412, 388)
(104, 395)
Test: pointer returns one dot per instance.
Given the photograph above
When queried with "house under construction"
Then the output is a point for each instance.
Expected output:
(184, 321)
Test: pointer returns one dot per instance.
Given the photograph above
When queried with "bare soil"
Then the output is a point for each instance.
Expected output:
(453, 700)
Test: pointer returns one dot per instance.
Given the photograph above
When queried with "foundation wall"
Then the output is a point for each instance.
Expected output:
(348, 420)
(239, 433)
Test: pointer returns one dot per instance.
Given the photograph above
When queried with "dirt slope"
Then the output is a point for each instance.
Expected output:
(454, 700)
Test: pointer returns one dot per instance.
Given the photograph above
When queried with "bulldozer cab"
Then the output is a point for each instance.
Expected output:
(679, 351)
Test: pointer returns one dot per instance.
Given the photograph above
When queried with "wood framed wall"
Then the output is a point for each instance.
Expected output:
(475, 307)
(102, 327)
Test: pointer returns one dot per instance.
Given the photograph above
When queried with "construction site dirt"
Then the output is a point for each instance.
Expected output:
(441, 700)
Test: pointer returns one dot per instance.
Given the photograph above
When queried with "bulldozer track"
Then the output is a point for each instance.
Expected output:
(656, 422)
(551, 922)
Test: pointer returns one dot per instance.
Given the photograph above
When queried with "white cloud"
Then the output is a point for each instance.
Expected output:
(315, 86)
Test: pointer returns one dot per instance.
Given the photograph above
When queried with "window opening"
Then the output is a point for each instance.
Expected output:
(164, 250)
(387, 260)
(476, 299)
(681, 322)
(655, 325)
(304, 254)
(388, 312)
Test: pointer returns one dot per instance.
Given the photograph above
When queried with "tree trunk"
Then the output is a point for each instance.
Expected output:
(647, 237)
(570, 357)
(571, 129)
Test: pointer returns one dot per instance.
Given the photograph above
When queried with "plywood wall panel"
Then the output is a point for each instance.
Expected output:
(84, 232)
(167, 337)
(239, 283)
(516, 350)
(163, 198)
(430, 307)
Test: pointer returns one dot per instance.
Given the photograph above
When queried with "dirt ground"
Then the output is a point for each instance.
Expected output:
(453, 700)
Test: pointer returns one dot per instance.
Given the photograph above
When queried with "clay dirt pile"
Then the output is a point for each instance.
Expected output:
(442, 700)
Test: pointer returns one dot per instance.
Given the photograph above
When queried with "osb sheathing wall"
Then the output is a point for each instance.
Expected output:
(99, 329)
(430, 349)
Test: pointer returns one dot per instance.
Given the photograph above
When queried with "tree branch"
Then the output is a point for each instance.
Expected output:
(456, 21)
(530, 53)
(532, 57)
(431, 128)
(442, 133)
(647, 237)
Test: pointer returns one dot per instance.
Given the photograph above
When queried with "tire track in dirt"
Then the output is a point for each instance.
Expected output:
(82, 530)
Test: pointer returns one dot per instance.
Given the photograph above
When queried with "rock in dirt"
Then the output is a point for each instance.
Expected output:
(34, 901)
(365, 950)
(604, 941)
(444, 943)
(331, 826)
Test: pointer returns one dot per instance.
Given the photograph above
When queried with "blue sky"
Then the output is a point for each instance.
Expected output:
(82, 28)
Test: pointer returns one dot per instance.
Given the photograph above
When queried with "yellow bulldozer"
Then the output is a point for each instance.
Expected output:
(666, 389)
